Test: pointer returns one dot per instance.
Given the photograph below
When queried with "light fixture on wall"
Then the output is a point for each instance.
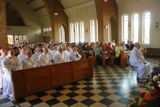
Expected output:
(157, 25)
(86, 30)
(105, 0)
(55, 13)
(106, 27)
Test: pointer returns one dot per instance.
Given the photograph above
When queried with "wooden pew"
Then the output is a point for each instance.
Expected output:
(105, 56)
(124, 56)
(34, 80)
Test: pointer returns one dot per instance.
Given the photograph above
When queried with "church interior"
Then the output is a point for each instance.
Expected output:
(83, 82)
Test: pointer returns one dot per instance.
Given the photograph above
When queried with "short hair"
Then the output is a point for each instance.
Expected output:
(135, 44)
(59, 47)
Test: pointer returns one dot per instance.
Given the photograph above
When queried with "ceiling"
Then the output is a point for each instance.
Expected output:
(72, 3)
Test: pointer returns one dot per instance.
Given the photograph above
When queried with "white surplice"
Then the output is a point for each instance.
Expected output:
(74, 56)
(1, 71)
(36, 56)
(60, 57)
(29, 62)
(44, 59)
(9, 64)
(21, 56)
(136, 59)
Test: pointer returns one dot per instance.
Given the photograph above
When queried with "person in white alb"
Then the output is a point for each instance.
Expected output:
(22, 54)
(36, 55)
(52, 50)
(44, 59)
(74, 55)
(58, 56)
(29, 61)
(10, 62)
(3, 55)
(66, 52)
(136, 59)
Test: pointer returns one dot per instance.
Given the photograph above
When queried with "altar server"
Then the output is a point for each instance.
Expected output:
(10, 62)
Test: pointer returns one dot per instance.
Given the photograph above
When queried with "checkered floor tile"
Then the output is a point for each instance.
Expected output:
(110, 87)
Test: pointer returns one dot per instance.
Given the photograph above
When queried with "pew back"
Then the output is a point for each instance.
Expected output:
(30, 81)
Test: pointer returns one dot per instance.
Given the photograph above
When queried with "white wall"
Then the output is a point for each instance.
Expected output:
(130, 6)
(84, 12)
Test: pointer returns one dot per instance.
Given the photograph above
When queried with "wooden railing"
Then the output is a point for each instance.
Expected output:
(30, 81)
(153, 51)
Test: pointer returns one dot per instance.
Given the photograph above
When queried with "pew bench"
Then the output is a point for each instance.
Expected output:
(34, 80)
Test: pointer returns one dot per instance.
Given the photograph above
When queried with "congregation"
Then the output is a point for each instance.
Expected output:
(29, 55)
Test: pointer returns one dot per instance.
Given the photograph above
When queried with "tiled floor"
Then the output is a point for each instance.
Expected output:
(110, 87)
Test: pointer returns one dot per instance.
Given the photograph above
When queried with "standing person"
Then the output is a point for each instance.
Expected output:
(10, 62)
(3, 55)
(136, 59)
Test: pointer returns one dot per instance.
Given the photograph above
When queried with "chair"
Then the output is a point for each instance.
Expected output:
(131, 67)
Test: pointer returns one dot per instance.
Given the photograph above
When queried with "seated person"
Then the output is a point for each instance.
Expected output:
(74, 55)
(29, 61)
(10, 62)
(136, 59)
(22, 54)
(86, 50)
(129, 45)
(44, 59)
(98, 53)
(117, 53)
(123, 47)
(110, 48)
(60, 55)
(36, 54)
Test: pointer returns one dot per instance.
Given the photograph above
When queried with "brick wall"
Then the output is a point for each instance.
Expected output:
(57, 21)
(3, 32)
(107, 11)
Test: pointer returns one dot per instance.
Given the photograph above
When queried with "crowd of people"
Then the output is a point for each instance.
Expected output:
(29, 55)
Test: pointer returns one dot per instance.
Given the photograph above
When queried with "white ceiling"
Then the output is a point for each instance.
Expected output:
(72, 3)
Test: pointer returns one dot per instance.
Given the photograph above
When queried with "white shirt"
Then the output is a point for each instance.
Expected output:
(44, 59)
(21, 56)
(61, 57)
(74, 56)
(29, 62)
(1, 58)
(123, 48)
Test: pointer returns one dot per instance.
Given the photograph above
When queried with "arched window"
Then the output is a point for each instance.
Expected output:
(92, 31)
(135, 27)
(76, 32)
(109, 31)
(146, 28)
(125, 28)
(61, 34)
(82, 31)
(72, 32)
